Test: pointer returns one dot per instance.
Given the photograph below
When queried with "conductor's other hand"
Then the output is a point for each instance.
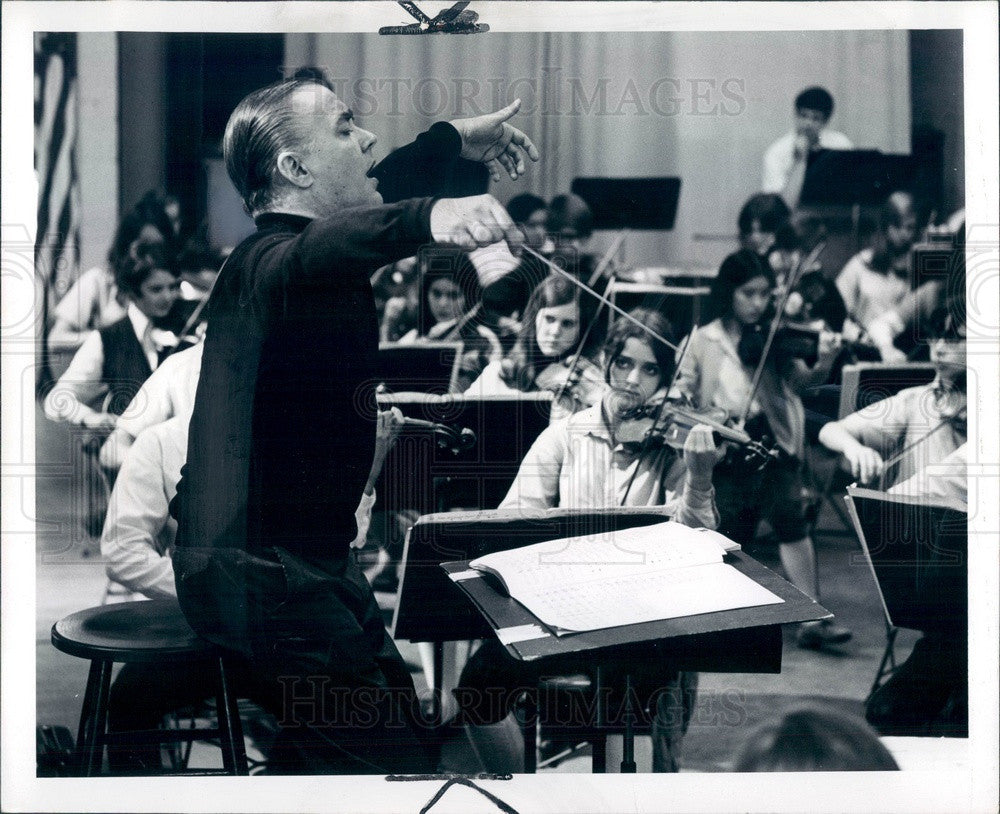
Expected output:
(472, 222)
(490, 140)
(700, 457)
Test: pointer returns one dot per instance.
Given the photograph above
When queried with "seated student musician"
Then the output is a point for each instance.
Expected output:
(448, 289)
(570, 225)
(786, 159)
(814, 738)
(581, 462)
(718, 371)
(553, 331)
(918, 427)
(760, 220)
(924, 429)
(137, 542)
(113, 362)
(450, 309)
(915, 316)
(877, 278)
(94, 300)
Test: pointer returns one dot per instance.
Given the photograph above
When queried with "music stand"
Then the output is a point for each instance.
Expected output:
(630, 203)
(430, 367)
(680, 304)
(432, 607)
(918, 555)
(847, 178)
(870, 382)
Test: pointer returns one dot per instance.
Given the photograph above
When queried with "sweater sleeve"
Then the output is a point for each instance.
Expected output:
(358, 240)
(419, 169)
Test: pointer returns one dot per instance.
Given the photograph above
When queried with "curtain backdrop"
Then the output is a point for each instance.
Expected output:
(701, 106)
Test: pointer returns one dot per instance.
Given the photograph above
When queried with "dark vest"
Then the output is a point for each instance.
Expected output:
(125, 364)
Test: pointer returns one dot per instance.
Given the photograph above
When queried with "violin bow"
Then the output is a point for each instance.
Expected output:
(608, 257)
(793, 279)
(465, 319)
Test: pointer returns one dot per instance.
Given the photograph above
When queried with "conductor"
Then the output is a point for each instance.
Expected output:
(283, 430)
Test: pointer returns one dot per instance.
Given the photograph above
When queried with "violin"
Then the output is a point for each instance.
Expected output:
(574, 385)
(669, 423)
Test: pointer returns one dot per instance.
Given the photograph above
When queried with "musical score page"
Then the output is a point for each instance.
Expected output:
(627, 577)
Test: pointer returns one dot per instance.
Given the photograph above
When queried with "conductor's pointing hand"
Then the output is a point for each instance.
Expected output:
(472, 222)
(490, 140)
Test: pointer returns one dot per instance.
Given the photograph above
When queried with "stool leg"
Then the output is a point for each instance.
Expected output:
(234, 756)
(599, 741)
(86, 729)
(93, 755)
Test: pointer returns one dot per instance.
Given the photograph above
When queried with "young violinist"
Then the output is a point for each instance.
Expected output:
(877, 278)
(918, 427)
(554, 333)
(718, 371)
(448, 288)
(578, 462)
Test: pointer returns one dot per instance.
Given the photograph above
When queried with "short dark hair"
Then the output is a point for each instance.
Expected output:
(151, 210)
(815, 98)
(624, 329)
(814, 739)
(261, 126)
(142, 260)
(738, 268)
(523, 206)
(570, 212)
(766, 208)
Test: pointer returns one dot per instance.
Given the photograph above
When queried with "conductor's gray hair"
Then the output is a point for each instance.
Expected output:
(261, 126)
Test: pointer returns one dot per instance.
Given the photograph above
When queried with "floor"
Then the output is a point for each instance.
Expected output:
(70, 576)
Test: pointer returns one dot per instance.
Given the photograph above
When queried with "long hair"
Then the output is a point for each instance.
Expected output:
(524, 361)
(445, 262)
(623, 330)
(262, 125)
(737, 269)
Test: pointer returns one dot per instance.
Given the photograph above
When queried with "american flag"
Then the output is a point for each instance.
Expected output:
(57, 242)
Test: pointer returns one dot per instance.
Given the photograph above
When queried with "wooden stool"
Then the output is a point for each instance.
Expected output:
(148, 631)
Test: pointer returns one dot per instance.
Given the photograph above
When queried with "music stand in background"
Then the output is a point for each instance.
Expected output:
(623, 204)
(681, 305)
(855, 178)
(918, 555)
(427, 367)
(869, 382)
(630, 203)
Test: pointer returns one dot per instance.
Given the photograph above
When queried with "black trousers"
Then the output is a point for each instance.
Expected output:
(320, 661)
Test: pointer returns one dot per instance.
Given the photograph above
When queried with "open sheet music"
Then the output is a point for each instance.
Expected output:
(625, 577)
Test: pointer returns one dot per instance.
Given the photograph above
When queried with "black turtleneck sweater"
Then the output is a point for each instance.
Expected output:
(283, 431)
